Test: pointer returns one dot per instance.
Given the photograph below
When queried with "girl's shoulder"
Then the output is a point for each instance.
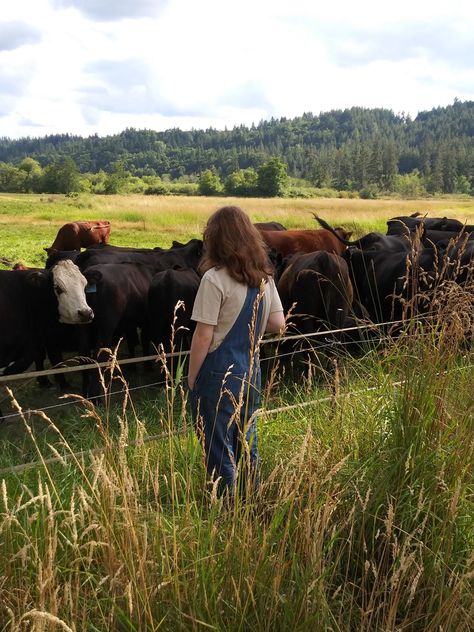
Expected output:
(220, 277)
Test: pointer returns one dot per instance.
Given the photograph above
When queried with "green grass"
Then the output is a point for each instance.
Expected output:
(29, 223)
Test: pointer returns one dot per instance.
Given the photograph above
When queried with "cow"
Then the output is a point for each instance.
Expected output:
(170, 303)
(441, 238)
(292, 241)
(185, 256)
(400, 225)
(77, 235)
(269, 226)
(385, 283)
(457, 260)
(167, 289)
(33, 302)
(372, 241)
(319, 284)
(118, 294)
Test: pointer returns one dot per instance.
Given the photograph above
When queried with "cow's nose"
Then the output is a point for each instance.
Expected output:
(85, 315)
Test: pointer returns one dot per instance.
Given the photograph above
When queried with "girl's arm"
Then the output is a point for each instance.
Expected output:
(276, 323)
(200, 344)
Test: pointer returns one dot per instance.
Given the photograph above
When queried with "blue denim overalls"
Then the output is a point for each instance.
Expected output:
(224, 399)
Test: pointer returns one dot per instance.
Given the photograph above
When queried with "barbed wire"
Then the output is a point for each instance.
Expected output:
(94, 365)
(77, 455)
(153, 438)
(335, 344)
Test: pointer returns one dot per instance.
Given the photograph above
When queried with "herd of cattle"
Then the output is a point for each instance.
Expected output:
(86, 300)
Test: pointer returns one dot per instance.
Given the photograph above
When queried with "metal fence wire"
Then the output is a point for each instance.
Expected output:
(161, 357)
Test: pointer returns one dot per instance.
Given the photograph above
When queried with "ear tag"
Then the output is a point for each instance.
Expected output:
(91, 288)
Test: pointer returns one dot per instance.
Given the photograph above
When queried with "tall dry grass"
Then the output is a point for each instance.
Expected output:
(364, 519)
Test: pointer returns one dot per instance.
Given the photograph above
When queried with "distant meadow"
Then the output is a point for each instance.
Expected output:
(29, 222)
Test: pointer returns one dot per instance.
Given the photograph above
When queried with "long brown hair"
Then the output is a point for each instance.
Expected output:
(231, 240)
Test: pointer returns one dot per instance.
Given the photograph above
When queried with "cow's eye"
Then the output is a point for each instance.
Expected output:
(58, 290)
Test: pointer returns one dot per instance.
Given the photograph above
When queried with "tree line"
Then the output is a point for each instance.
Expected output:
(357, 151)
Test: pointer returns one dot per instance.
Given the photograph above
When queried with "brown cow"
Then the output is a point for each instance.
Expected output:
(269, 226)
(288, 242)
(77, 235)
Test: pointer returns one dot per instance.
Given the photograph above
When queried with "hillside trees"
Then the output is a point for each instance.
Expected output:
(348, 149)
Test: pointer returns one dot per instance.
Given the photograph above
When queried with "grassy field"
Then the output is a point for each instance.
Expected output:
(365, 516)
(28, 223)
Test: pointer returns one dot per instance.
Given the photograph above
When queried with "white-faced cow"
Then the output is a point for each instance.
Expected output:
(32, 304)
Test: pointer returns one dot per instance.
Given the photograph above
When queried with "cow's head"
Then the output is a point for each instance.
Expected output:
(342, 232)
(69, 285)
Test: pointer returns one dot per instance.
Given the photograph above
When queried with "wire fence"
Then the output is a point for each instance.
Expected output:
(262, 412)
(92, 364)
(160, 358)
(76, 456)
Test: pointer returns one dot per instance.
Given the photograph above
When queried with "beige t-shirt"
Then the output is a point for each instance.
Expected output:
(220, 299)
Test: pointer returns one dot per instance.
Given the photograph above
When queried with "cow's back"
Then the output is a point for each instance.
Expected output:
(292, 241)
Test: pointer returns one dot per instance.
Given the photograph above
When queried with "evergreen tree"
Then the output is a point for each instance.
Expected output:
(61, 177)
(272, 178)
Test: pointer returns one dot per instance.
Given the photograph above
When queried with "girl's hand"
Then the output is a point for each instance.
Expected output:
(200, 344)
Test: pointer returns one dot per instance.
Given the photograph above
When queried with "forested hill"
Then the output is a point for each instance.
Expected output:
(342, 148)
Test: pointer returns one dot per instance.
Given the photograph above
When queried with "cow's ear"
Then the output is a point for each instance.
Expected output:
(349, 234)
(36, 278)
(92, 276)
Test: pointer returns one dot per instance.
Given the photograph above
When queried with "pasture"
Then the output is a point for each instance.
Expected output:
(365, 518)
(28, 223)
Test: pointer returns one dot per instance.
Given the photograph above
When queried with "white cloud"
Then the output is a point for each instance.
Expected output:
(16, 33)
(112, 10)
(87, 66)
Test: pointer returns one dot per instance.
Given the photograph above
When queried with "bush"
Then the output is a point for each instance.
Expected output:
(158, 189)
(370, 192)
(209, 183)
(409, 184)
(185, 189)
(348, 195)
(242, 183)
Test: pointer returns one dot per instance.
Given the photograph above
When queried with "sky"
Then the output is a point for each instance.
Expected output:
(101, 66)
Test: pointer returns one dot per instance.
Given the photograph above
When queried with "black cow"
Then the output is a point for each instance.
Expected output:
(319, 284)
(457, 260)
(384, 283)
(185, 256)
(61, 255)
(166, 321)
(441, 238)
(400, 225)
(373, 241)
(118, 294)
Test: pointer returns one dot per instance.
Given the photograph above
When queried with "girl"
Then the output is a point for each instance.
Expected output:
(236, 303)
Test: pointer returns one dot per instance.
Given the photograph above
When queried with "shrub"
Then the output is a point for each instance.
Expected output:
(209, 183)
(158, 189)
(369, 192)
